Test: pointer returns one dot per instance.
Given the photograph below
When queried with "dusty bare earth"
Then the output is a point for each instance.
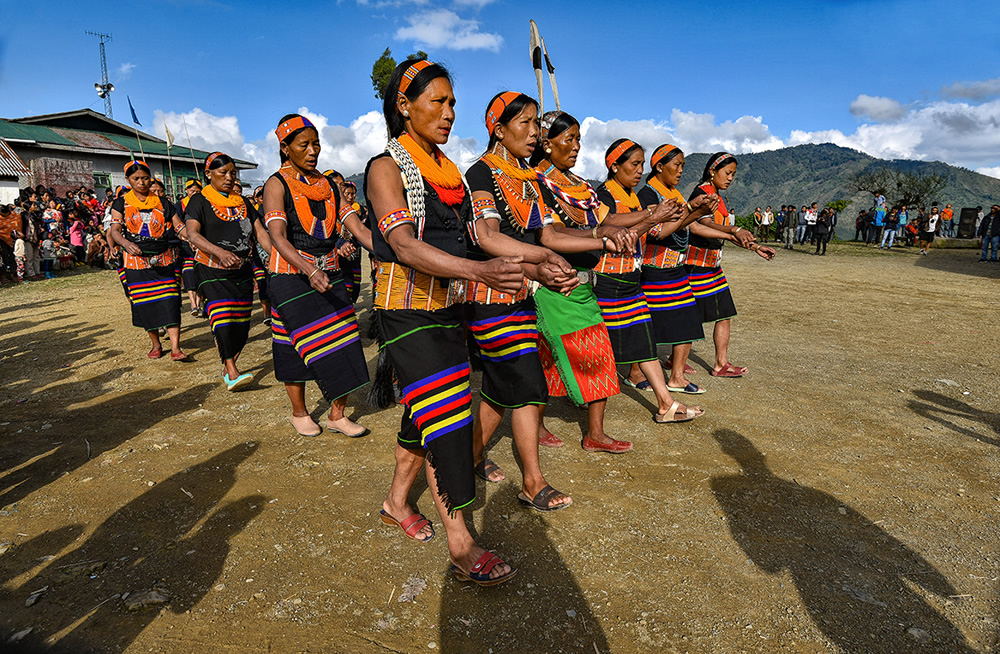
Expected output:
(843, 496)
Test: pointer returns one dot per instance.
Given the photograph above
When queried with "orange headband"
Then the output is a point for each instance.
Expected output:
(411, 74)
(291, 125)
(618, 152)
(660, 153)
(212, 157)
(137, 162)
(497, 108)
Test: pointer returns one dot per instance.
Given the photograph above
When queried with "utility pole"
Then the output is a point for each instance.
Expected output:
(105, 88)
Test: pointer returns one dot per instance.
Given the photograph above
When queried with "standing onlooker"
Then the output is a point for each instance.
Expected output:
(800, 229)
(875, 229)
(989, 233)
(812, 215)
(76, 236)
(49, 256)
(779, 224)
(758, 218)
(979, 218)
(821, 232)
(904, 217)
(791, 225)
(860, 226)
(889, 230)
(947, 224)
(765, 224)
(20, 264)
(928, 230)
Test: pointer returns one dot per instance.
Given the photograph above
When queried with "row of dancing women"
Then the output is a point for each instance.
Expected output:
(550, 283)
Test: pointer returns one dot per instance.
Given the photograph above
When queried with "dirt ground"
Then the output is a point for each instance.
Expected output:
(843, 496)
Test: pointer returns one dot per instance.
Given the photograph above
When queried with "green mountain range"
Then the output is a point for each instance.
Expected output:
(821, 173)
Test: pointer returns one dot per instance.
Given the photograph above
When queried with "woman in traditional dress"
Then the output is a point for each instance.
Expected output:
(619, 289)
(423, 225)
(575, 349)
(191, 188)
(676, 319)
(314, 330)
(350, 253)
(141, 224)
(221, 227)
(507, 199)
(704, 259)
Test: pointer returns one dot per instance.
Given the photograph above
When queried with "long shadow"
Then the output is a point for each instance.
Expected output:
(150, 543)
(853, 577)
(542, 609)
(969, 263)
(940, 408)
(77, 433)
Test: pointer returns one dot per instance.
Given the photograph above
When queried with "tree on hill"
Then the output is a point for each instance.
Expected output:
(877, 181)
(838, 205)
(915, 189)
(383, 67)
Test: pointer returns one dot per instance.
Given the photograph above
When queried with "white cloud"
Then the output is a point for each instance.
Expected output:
(442, 28)
(973, 90)
(877, 108)
(991, 172)
(124, 71)
(345, 148)
(478, 4)
(954, 132)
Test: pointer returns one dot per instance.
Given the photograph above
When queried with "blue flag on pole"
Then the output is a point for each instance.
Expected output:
(132, 109)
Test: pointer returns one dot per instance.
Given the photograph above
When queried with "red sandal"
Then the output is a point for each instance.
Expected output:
(729, 370)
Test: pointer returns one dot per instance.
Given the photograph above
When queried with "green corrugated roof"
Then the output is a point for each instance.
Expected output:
(39, 133)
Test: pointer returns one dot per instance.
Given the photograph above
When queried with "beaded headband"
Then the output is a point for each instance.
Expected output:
(722, 157)
(614, 155)
(411, 73)
(351, 185)
(660, 153)
(548, 120)
(137, 162)
(497, 108)
(212, 157)
(291, 125)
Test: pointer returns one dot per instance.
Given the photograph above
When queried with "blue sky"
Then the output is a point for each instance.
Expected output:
(913, 79)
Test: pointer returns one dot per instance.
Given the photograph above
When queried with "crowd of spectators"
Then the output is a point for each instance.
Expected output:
(792, 226)
(42, 233)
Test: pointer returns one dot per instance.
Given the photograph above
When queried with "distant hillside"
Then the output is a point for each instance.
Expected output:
(820, 173)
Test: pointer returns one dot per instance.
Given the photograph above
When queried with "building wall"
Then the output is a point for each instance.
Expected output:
(61, 174)
(9, 190)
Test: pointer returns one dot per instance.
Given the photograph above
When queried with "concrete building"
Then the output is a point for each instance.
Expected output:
(84, 148)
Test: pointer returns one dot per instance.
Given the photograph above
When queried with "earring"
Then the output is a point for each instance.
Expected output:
(406, 114)
(548, 150)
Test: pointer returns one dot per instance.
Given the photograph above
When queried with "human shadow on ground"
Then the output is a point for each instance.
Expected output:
(174, 538)
(542, 609)
(940, 408)
(79, 434)
(855, 580)
(967, 264)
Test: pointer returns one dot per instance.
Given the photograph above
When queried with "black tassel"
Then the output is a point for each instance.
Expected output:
(381, 394)
(375, 330)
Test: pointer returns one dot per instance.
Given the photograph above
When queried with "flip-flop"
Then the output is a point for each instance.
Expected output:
(690, 389)
(540, 502)
(661, 418)
(729, 370)
(644, 385)
(357, 434)
(411, 525)
(480, 573)
(487, 467)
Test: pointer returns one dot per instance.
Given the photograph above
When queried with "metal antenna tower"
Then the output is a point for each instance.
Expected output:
(105, 88)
